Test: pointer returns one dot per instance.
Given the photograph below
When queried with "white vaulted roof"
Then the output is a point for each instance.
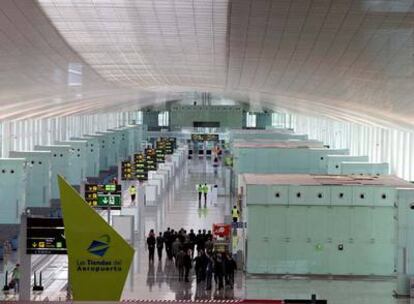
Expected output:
(343, 58)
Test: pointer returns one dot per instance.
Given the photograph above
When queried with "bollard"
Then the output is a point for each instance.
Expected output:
(6, 283)
(35, 286)
(40, 281)
(313, 299)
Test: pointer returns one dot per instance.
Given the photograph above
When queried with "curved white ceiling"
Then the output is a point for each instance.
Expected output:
(349, 56)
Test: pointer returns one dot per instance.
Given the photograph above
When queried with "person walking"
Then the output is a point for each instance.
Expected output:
(209, 245)
(176, 247)
(200, 188)
(133, 193)
(198, 261)
(151, 245)
(209, 271)
(168, 243)
(160, 246)
(187, 265)
(200, 241)
(219, 270)
(179, 263)
(193, 239)
(235, 214)
(205, 191)
(15, 281)
(230, 268)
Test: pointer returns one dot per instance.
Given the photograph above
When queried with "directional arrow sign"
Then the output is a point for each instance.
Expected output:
(109, 200)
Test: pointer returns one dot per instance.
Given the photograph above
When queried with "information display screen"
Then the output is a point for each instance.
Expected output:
(204, 137)
(151, 158)
(168, 144)
(127, 170)
(160, 152)
(104, 196)
(141, 170)
(45, 236)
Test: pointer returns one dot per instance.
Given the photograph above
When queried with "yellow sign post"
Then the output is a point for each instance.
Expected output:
(99, 258)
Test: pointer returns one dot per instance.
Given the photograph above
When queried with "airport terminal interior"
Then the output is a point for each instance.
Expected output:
(221, 151)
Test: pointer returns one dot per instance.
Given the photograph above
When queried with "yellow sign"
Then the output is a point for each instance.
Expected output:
(99, 258)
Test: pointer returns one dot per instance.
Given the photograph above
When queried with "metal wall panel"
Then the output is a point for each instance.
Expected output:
(77, 170)
(12, 189)
(334, 162)
(304, 237)
(278, 195)
(360, 168)
(38, 181)
(60, 162)
(103, 150)
(93, 156)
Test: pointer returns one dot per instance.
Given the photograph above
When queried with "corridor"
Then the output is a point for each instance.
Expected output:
(178, 209)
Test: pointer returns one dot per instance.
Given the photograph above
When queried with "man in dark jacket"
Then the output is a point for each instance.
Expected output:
(193, 239)
(167, 235)
(176, 247)
(160, 246)
(198, 265)
(187, 264)
(200, 241)
(179, 263)
(219, 270)
(230, 268)
(151, 245)
(209, 271)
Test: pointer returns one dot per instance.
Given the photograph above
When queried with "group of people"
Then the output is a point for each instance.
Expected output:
(180, 247)
(202, 190)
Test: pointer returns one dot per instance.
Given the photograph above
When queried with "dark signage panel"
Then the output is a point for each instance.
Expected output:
(151, 158)
(45, 236)
(104, 196)
(160, 154)
(127, 170)
(204, 137)
(141, 169)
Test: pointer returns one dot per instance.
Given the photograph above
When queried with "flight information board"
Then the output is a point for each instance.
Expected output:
(45, 236)
(127, 170)
(168, 144)
(104, 196)
(140, 163)
(160, 154)
(151, 158)
(204, 137)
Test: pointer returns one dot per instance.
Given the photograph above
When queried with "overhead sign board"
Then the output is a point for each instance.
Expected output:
(151, 158)
(204, 137)
(141, 170)
(112, 201)
(127, 170)
(45, 236)
(104, 196)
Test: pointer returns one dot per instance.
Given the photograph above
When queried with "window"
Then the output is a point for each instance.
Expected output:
(139, 118)
(163, 119)
(74, 74)
(250, 120)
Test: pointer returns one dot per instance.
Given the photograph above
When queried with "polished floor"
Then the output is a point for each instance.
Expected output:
(178, 208)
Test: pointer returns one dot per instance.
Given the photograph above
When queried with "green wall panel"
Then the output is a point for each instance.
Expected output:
(185, 115)
(305, 240)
